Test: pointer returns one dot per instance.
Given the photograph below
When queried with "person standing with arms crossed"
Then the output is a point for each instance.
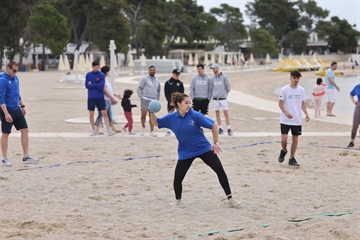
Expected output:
(291, 102)
(220, 86)
(95, 82)
(200, 91)
(172, 85)
(148, 89)
(331, 89)
(186, 125)
(12, 113)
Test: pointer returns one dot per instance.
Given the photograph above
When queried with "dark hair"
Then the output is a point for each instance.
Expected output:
(295, 74)
(105, 69)
(11, 64)
(127, 93)
(333, 63)
(318, 81)
(152, 67)
(95, 63)
(200, 65)
(177, 97)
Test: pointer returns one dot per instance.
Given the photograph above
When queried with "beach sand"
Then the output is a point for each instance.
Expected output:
(120, 187)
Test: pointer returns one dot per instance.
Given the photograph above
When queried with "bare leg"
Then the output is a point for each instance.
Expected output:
(331, 106)
(106, 118)
(4, 144)
(294, 146)
(218, 117)
(25, 141)
(143, 117)
(227, 117)
(284, 141)
(151, 125)
(91, 119)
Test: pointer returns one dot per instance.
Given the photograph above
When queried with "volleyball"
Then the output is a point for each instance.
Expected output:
(154, 106)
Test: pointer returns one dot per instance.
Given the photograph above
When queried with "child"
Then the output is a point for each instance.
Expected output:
(127, 106)
(318, 93)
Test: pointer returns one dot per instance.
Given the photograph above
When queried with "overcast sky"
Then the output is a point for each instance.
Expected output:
(344, 9)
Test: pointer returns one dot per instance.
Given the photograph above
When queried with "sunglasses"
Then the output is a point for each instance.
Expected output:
(14, 70)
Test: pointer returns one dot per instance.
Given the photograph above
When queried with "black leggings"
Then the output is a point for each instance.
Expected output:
(356, 121)
(212, 160)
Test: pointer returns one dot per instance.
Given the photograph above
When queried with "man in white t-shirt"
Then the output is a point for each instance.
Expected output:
(291, 102)
(331, 89)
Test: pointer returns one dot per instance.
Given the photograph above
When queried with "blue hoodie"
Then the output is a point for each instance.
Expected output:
(9, 91)
(96, 88)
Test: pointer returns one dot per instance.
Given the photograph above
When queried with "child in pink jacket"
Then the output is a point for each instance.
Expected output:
(318, 93)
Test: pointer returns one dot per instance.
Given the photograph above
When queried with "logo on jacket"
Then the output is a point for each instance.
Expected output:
(192, 122)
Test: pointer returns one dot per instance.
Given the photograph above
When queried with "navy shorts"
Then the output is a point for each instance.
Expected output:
(96, 102)
(18, 118)
(295, 130)
(201, 105)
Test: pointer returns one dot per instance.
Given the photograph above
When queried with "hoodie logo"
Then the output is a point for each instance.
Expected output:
(192, 122)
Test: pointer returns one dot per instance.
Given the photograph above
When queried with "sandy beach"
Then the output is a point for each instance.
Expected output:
(120, 187)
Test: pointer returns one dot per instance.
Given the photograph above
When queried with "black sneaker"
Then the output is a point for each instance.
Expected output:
(293, 162)
(221, 131)
(351, 144)
(282, 156)
(229, 132)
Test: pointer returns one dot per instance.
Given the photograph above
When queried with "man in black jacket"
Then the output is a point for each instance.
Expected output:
(172, 85)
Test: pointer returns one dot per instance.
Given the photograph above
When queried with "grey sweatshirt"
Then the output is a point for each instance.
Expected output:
(220, 86)
(200, 87)
(149, 88)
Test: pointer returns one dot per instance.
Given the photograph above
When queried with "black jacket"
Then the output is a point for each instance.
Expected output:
(172, 86)
(126, 104)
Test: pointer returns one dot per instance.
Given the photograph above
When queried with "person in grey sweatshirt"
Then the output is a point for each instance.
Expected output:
(200, 90)
(220, 86)
(148, 89)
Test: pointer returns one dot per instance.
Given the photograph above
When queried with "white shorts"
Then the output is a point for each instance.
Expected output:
(331, 94)
(220, 105)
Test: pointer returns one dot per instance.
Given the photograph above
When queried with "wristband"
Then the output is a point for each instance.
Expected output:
(22, 106)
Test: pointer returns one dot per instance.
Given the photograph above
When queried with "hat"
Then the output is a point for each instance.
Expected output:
(215, 65)
(176, 71)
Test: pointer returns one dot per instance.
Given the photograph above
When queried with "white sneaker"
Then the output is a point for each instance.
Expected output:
(6, 162)
(30, 160)
(152, 134)
(178, 202)
(132, 133)
(168, 134)
(93, 133)
(110, 133)
(232, 203)
(142, 131)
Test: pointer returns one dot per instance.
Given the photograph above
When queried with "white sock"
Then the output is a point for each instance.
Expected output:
(220, 126)
(229, 127)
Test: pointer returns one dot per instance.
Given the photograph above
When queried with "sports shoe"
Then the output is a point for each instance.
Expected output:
(124, 129)
(142, 131)
(232, 203)
(6, 162)
(293, 162)
(168, 134)
(282, 156)
(229, 132)
(93, 133)
(152, 134)
(178, 202)
(110, 133)
(30, 159)
(132, 133)
(351, 144)
(221, 131)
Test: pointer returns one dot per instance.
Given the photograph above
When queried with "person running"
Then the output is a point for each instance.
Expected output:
(95, 82)
(110, 99)
(356, 116)
(12, 113)
(291, 102)
(200, 90)
(148, 89)
(220, 86)
(127, 106)
(172, 85)
(330, 82)
(186, 125)
(318, 93)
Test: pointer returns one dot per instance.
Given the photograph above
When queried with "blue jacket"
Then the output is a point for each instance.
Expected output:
(96, 88)
(9, 91)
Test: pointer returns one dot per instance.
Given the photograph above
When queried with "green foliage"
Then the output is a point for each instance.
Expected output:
(311, 14)
(297, 41)
(339, 34)
(263, 42)
(48, 27)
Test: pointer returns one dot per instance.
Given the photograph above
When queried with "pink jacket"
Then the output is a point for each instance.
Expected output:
(319, 90)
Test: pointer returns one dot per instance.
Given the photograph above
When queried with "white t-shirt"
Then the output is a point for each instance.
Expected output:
(292, 98)
(109, 89)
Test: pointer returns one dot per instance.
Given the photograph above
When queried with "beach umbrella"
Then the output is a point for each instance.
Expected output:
(235, 60)
(220, 60)
(131, 61)
(196, 59)
(242, 57)
(61, 66)
(190, 61)
(290, 56)
(280, 57)
(116, 65)
(206, 60)
(143, 60)
(88, 63)
(212, 60)
(82, 64)
(302, 55)
(91, 58)
(267, 59)
(229, 59)
(102, 61)
(251, 58)
(66, 63)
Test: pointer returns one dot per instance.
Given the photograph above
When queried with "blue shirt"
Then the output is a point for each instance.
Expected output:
(356, 92)
(191, 138)
(330, 74)
(96, 88)
(9, 91)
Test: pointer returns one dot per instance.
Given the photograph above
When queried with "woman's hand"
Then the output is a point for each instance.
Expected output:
(216, 148)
